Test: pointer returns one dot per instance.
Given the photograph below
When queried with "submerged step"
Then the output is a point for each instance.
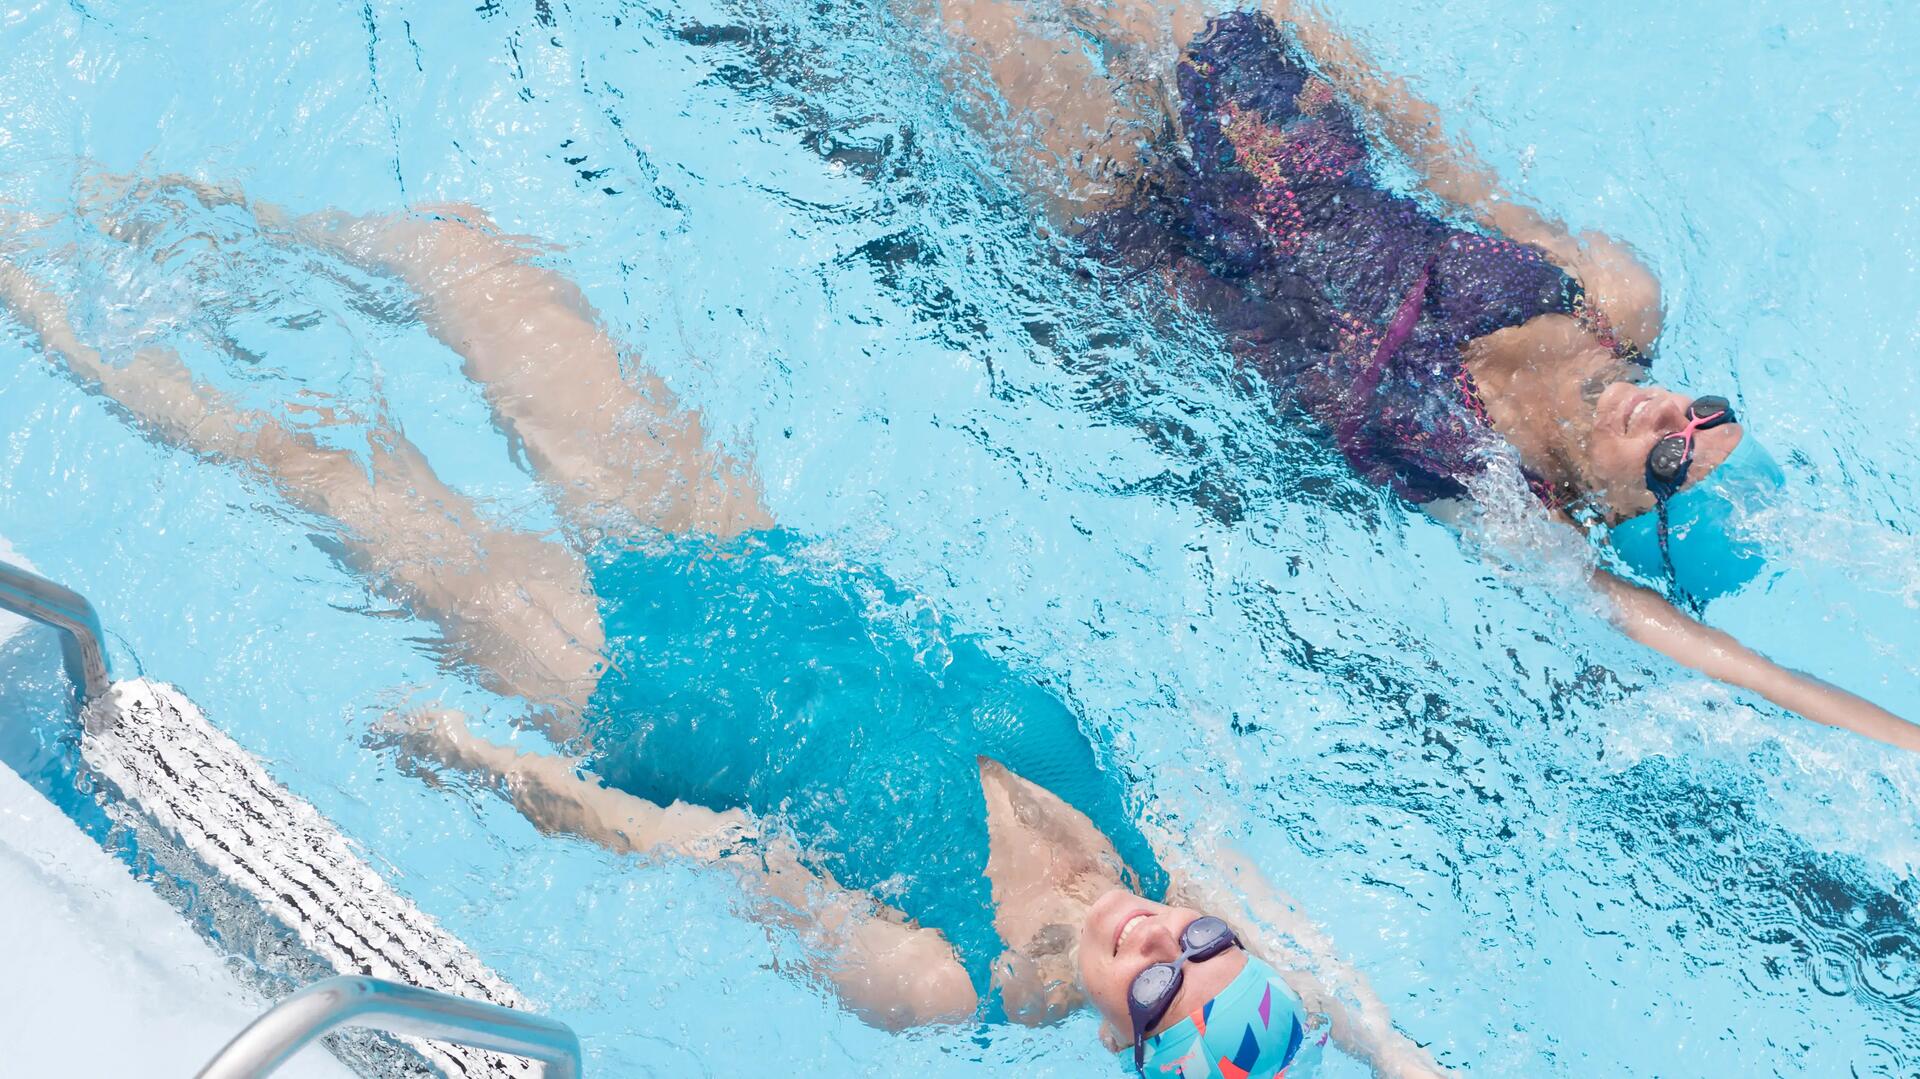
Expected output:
(203, 791)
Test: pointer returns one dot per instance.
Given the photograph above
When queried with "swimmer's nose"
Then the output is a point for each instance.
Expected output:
(1669, 412)
(1156, 940)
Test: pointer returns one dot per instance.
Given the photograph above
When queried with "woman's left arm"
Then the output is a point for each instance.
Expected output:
(1304, 955)
(1660, 625)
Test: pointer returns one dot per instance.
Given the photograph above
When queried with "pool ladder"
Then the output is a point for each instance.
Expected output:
(33, 596)
(329, 1005)
(213, 819)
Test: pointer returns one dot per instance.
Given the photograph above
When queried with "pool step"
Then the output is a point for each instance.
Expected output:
(213, 804)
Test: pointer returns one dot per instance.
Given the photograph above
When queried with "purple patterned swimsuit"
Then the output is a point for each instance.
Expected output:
(1353, 300)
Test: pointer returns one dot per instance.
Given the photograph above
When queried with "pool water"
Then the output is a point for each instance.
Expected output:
(1554, 853)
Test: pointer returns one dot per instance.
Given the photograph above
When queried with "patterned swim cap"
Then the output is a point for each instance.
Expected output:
(1255, 1028)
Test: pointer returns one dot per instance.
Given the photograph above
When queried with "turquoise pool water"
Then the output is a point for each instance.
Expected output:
(1553, 853)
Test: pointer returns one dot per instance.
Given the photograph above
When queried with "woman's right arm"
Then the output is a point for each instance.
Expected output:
(890, 971)
(1614, 279)
(1661, 626)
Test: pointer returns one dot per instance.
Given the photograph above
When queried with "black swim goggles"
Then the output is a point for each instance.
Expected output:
(1672, 456)
(1154, 988)
(1667, 465)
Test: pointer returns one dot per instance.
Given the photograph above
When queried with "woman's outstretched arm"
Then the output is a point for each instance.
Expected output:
(1661, 626)
(1614, 279)
(893, 973)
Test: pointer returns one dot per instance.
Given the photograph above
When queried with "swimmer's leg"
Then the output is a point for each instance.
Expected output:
(1072, 93)
(892, 972)
(614, 447)
(512, 604)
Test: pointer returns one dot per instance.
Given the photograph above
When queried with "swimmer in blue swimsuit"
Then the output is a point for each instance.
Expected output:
(833, 763)
(1444, 357)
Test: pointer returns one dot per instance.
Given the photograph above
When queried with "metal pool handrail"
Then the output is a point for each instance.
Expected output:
(326, 1006)
(33, 596)
(331, 1004)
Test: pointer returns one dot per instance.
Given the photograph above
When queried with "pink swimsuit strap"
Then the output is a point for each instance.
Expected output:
(1397, 333)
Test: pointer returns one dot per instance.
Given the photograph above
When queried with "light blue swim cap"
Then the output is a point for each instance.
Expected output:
(1255, 1028)
(1710, 555)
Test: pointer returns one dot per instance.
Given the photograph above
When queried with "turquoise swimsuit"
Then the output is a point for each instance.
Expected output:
(753, 676)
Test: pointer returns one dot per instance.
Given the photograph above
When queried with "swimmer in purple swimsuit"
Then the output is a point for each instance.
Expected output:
(1430, 353)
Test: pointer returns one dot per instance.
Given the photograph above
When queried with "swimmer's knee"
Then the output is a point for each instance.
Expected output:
(937, 993)
(945, 995)
(421, 244)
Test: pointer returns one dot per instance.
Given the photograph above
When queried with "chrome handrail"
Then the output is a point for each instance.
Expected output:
(327, 1005)
(33, 596)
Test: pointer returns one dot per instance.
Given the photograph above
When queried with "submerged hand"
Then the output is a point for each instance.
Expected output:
(437, 736)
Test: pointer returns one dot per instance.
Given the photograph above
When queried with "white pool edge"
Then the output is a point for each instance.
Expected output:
(101, 976)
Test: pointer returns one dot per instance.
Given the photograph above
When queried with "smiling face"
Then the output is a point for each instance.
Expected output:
(1123, 935)
(1628, 419)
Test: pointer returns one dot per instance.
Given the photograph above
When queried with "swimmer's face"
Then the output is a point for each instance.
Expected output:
(1628, 418)
(1123, 935)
